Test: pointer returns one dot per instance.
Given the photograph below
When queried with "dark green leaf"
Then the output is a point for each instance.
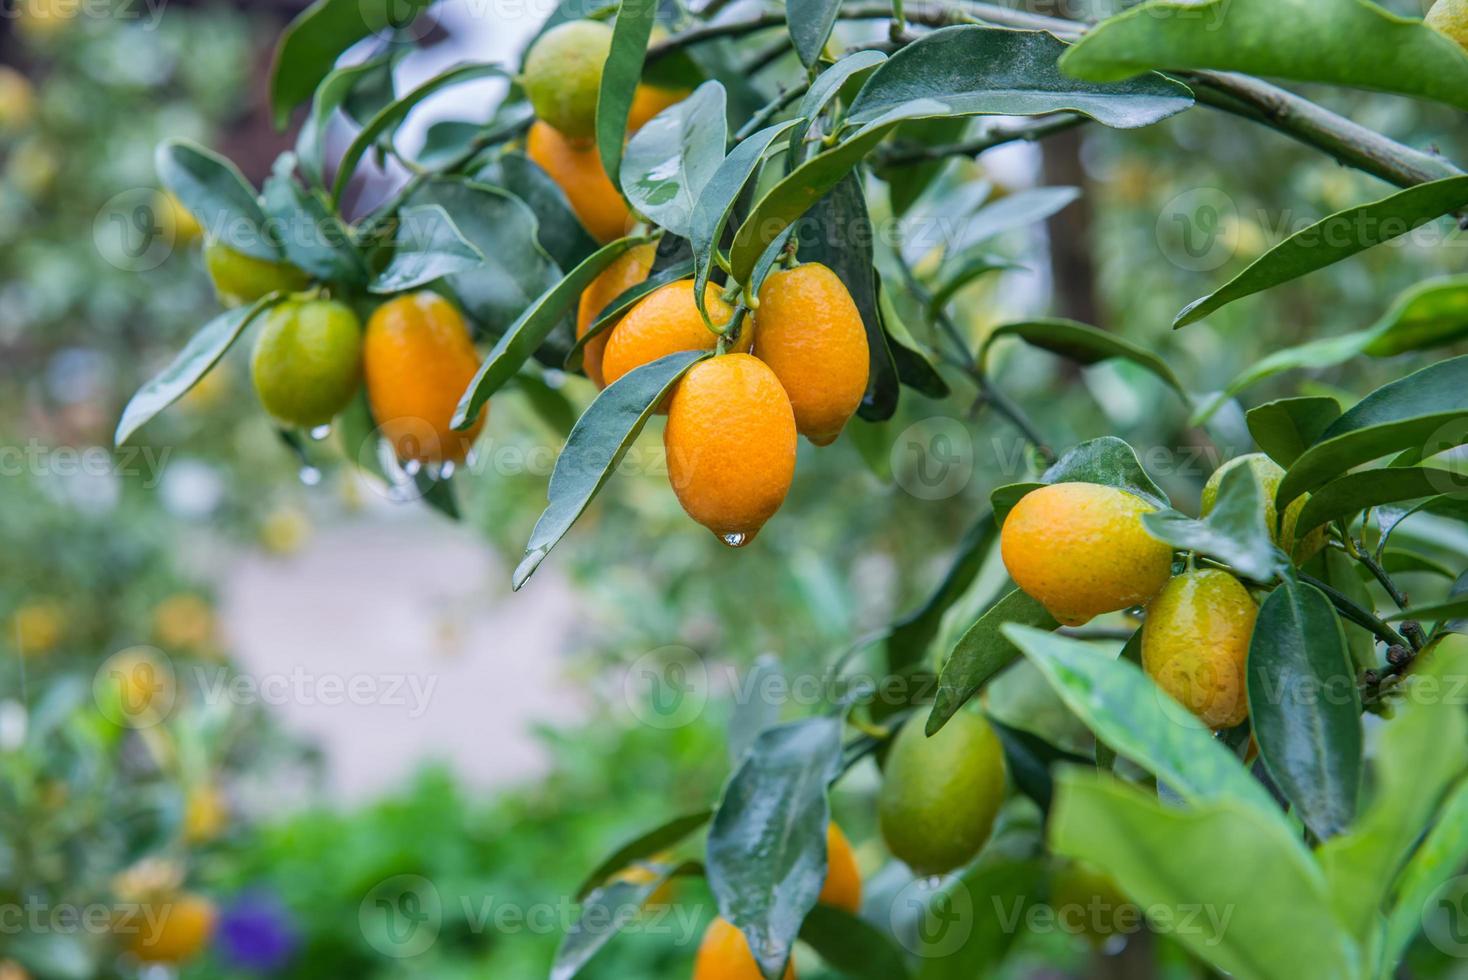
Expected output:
(619, 77)
(1110, 462)
(1235, 531)
(673, 157)
(387, 121)
(1433, 612)
(438, 493)
(1440, 857)
(1002, 499)
(360, 438)
(514, 271)
(1337, 237)
(314, 238)
(914, 368)
(214, 191)
(1028, 759)
(837, 232)
(597, 443)
(560, 232)
(852, 945)
(810, 23)
(429, 246)
(911, 635)
(1139, 721)
(605, 912)
(711, 212)
(1420, 409)
(623, 302)
(330, 96)
(200, 354)
(311, 44)
(982, 652)
(784, 203)
(1402, 560)
(1018, 210)
(1453, 507)
(827, 85)
(1019, 78)
(1286, 428)
(965, 269)
(767, 845)
(1355, 492)
(1305, 708)
(755, 709)
(532, 327)
(1337, 570)
(1304, 40)
(1081, 343)
(646, 845)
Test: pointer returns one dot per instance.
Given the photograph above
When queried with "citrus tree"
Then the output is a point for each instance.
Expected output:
(638, 210)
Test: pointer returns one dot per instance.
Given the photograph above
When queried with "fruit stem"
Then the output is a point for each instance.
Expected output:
(1380, 574)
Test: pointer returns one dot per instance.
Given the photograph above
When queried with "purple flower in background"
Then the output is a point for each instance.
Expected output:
(255, 932)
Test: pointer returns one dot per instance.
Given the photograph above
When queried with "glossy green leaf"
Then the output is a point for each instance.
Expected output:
(837, 232)
(827, 85)
(716, 201)
(619, 77)
(559, 231)
(214, 191)
(1343, 574)
(1140, 721)
(1081, 343)
(1414, 411)
(1304, 706)
(1287, 427)
(964, 270)
(596, 445)
(1430, 730)
(1451, 506)
(810, 23)
(784, 203)
(1110, 462)
(1029, 759)
(908, 642)
(982, 652)
(428, 246)
(623, 302)
(1355, 492)
(308, 49)
(1002, 499)
(201, 353)
(1337, 237)
(527, 333)
(515, 270)
(999, 890)
(1303, 40)
(1432, 612)
(852, 945)
(1234, 532)
(672, 159)
(313, 237)
(1020, 209)
(1404, 560)
(606, 912)
(914, 366)
(387, 121)
(1019, 78)
(330, 96)
(767, 845)
(757, 708)
(1437, 860)
(645, 845)
(1217, 859)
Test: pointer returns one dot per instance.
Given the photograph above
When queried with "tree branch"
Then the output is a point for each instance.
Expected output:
(992, 135)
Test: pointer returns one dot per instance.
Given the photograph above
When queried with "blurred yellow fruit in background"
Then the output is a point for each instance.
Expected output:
(38, 626)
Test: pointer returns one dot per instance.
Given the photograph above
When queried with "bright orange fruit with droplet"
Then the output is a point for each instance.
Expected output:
(664, 322)
(1195, 644)
(811, 335)
(730, 442)
(576, 168)
(418, 360)
(630, 268)
(724, 955)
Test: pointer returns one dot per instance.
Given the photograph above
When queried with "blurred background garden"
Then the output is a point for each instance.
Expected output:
(358, 693)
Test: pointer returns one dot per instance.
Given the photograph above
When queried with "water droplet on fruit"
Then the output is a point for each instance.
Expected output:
(446, 470)
(734, 540)
(412, 467)
(320, 433)
(310, 475)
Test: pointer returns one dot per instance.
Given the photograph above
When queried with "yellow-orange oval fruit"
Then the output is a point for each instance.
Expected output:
(576, 169)
(648, 101)
(664, 322)
(724, 955)
(630, 268)
(842, 887)
(171, 931)
(1081, 550)
(1195, 644)
(811, 336)
(418, 360)
(730, 443)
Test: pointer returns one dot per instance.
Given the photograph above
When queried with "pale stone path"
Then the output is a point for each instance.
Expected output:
(390, 643)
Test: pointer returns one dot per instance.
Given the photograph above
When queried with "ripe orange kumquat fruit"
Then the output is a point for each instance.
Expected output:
(842, 887)
(1195, 644)
(418, 360)
(811, 335)
(730, 442)
(576, 168)
(664, 322)
(724, 955)
(630, 268)
(1081, 550)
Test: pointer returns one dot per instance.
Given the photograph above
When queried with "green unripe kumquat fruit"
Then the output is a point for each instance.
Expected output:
(239, 278)
(307, 363)
(562, 76)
